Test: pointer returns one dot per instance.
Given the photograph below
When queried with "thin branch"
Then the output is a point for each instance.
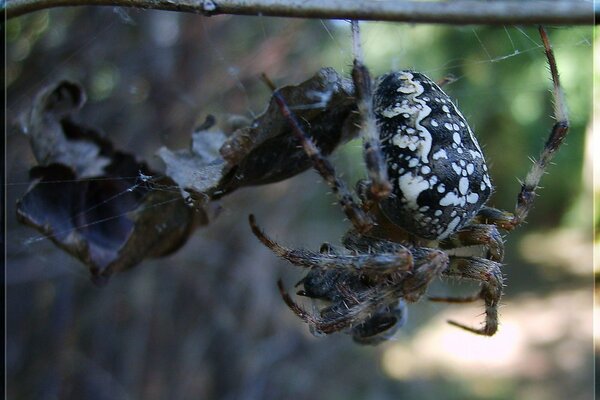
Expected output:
(455, 12)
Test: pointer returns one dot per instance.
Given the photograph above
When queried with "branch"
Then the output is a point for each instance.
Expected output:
(455, 12)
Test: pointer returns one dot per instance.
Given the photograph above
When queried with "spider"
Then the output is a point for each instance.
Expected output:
(425, 195)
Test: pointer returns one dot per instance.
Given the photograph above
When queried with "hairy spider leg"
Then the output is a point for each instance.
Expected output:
(379, 185)
(321, 164)
(526, 196)
(382, 263)
(477, 234)
(486, 271)
(321, 325)
(429, 264)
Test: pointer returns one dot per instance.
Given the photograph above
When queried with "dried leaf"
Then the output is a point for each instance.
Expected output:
(92, 200)
(197, 170)
(267, 150)
(56, 139)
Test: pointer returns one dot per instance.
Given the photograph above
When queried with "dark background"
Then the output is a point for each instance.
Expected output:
(207, 322)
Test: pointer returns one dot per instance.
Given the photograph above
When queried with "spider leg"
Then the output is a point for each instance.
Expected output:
(361, 221)
(379, 186)
(384, 263)
(477, 234)
(298, 310)
(557, 135)
(502, 219)
(375, 313)
(332, 319)
(429, 264)
(486, 271)
(372, 310)
(509, 221)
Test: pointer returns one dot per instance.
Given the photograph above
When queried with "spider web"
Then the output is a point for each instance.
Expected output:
(220, 75)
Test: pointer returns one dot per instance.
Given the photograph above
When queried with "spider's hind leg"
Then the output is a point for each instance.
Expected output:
(509, 221)
(557, 136)
(477, 234)
(486, 271)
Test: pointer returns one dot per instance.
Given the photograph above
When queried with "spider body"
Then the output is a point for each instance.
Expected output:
(425, 193)
(436, 167)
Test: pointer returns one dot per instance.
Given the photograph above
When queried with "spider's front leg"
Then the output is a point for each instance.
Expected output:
(489, 273)
(361, 220)
(379, 187)
(381, 264)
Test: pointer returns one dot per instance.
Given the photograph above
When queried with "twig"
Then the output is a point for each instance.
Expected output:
(451, 12)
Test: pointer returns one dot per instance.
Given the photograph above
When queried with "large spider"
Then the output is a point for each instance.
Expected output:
(426, 192)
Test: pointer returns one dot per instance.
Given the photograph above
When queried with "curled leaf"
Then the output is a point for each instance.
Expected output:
(95, 202)
(267, 150)
(196, 170)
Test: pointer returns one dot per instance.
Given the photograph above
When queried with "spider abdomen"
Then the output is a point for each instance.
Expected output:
(436, 167)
